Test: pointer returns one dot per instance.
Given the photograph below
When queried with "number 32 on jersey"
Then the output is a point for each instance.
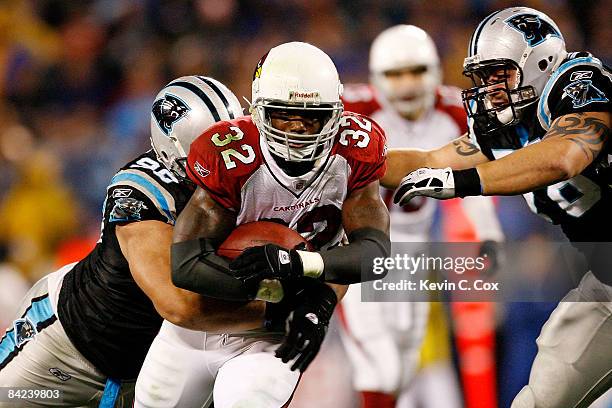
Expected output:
(361, 135)
(230, 155)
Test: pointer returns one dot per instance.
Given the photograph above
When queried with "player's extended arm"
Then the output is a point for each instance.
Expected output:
(146, 246)
(458, 154)
(200, 228)
(570, 145)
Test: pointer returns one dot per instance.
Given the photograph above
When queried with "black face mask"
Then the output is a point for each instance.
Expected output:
(478, 101)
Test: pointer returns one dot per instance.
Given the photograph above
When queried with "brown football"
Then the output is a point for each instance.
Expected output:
(259, 233)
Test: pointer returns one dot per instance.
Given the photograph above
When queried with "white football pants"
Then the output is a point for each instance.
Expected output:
(186, 368)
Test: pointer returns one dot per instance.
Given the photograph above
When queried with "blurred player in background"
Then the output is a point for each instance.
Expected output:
(540, 126)
(297, 160)
(407, 99)
(86, 328)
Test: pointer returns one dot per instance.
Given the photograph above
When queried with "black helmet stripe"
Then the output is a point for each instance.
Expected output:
(220, 94)
(474, 40)
(193, 88)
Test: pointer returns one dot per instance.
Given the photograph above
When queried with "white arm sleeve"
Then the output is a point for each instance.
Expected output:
(481, 213)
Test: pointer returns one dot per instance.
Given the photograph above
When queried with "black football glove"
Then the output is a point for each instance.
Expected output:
(307, 324)
(267, 262)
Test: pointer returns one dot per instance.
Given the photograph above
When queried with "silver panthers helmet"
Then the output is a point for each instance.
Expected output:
(182, 111)
(511, 56)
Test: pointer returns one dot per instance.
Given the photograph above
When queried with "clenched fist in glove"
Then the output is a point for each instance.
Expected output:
(307, 324)
(267, 262)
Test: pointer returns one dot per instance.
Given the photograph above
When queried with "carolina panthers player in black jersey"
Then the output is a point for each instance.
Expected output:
(93, 321)
(539, 125)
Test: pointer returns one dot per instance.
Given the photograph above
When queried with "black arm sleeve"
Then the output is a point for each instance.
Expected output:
(353, 263)
(196, 267)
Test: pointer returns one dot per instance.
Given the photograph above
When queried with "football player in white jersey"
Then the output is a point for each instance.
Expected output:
(407, 99)
(298, 160)
(539, 126)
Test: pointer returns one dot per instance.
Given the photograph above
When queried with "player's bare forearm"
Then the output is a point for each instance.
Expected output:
(570, 145)
(146, 246)
(458, 154)
(227, 317)
(203, 217)
(401, 162)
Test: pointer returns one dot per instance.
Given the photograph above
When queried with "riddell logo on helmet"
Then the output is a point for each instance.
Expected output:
(296, 96)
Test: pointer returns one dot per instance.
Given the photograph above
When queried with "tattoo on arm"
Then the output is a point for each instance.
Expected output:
(464, 148)
(587, 132)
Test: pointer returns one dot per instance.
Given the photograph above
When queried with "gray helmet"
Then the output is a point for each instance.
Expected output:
(519, 43)
(182, 111)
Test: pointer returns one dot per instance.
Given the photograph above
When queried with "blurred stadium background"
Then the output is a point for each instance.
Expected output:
(78, 79)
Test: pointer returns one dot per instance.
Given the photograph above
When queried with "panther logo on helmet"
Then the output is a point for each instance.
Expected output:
(167, 111)
(534, 29)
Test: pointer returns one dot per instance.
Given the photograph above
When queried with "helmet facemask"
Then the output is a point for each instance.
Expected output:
(176, 164)
(294, 146)
(497, 98)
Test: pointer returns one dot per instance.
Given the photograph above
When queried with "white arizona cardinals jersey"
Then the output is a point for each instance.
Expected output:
(437, 127)
(231, 161)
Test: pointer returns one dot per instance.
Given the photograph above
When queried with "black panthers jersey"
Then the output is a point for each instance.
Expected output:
(581, 205)
(109, 319)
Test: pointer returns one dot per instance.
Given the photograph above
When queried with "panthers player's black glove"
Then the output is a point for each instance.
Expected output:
(307, 324)
(267, 262)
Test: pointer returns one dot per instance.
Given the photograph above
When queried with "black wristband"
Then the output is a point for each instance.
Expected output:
(467, 183)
